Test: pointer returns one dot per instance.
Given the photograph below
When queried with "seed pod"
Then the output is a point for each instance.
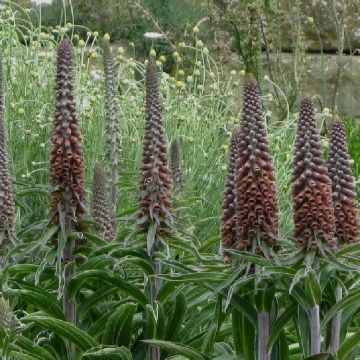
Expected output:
(66, 158)
(256, 199)
(7, 210)
(175, 164)
(100, 206)
(343, 194)
(311, 188)
(155, 179)
(228, 219)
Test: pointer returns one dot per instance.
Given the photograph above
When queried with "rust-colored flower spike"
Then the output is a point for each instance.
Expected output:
(112, 121)
(256, 199)
(7, 212)
(100, 206)
(155, 179)
(343, 194)
(228, 219)
(66, 158)
(175, 164)
(311, 188)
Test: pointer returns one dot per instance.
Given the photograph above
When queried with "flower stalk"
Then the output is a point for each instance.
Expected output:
(155, 181)
(256, 198)
(344, 202)
(175, 164)
(66, 168)
(112, 122)
(7, 208)
(100, 207)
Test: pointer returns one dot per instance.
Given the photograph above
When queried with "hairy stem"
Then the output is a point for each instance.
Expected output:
(315, 330)
(335, 327)
(263, 335)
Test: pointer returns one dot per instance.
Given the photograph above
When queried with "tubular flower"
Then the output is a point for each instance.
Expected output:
(100, 206)
(311, 188)
(66, 158)
(7, 212)
(175, 164)
(155, 179)
(256, 199)
(112, 120)
(228, 219)
(343, 195)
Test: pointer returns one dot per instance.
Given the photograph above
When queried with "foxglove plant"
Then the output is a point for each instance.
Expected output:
(66, 157)
(343, 194)
(312, 206)
(112, 121)
(66, 165)
(256, 208)
(155, 179)
(311, 188)
(100, 207)
(175, 164)
(256, 199)
(344, 202)
(228, 219)
(7, 211)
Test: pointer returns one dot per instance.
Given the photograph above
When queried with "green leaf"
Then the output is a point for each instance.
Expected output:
(111, 353)
(210, 337)
(244, 335)
(64, 329)
(250, 257)
(150, 237)
(176, 316)
(351, 299)
(312, 287)
(280, 323)
(322, 356)
(348, 346)
(28, 346)
(210, 277)
(39, 298)
(119, 325)
(177, 349)
(101, 275)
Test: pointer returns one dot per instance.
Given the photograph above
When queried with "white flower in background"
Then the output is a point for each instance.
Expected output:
(153, 35)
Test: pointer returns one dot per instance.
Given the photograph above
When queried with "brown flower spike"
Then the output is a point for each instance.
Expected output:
(175, 164)
(343, 194)
(155, 179)
(256, 199)
(7, 212)
(100, 206)
(228, 219)
(66, 158)
(311, 188)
